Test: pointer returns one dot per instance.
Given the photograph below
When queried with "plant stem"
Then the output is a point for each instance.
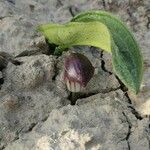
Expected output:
(73, 98)
(58, 50)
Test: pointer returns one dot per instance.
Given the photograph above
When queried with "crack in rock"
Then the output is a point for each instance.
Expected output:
(33, 53)
(39, 46)
(103, 91)
(3, 17)
(56, 72)
(103, 64)
(5, 58)
(147, 15)
(122, 87)
(104, 4)
(148, 136)
(89, 94)
(148, 23)
(134, 112)
(129, 130)
(73, 10)
(28, 53)
(30, 129)
(1, 79)
(59, 3)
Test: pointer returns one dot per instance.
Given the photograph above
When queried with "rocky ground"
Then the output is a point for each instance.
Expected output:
(35, 113)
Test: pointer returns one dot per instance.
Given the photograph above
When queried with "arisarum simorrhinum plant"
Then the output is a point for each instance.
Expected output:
(105, 31)
(78, 72)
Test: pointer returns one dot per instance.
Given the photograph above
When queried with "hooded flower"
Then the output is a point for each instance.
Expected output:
(78, 71)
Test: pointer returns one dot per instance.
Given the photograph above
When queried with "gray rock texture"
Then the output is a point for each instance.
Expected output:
(71, 127)
(35, 110)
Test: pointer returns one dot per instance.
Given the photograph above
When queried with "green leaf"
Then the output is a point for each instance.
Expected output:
(125, 69)
(78, 33)
(127, 58)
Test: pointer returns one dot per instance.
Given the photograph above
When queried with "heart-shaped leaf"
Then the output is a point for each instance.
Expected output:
(78, 33)
(127, 58)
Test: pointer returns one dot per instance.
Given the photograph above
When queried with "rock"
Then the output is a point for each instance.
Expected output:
(5, 58)
(98, 122)
(35, 112)
(108, 62)
(27, 96)
(16, 34)
(7, 12)
(140, 136)
(21, 111)
(33, 71)
(20, 19)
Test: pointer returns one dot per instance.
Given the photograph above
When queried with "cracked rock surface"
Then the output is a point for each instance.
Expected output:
(35, 113)
(71, 127)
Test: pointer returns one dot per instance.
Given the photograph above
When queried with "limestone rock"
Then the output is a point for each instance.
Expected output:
(102, 121)
(35, 113)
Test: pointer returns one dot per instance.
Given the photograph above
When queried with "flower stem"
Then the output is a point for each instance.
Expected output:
(73, 98)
